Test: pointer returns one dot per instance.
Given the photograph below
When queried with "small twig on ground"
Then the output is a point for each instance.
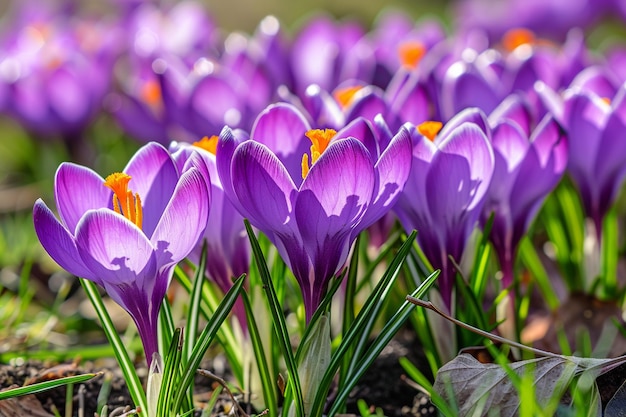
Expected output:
(220, 381)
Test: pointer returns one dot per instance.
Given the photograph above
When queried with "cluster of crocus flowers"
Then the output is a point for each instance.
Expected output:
(312, 191)
(324, 133)
(126, 232)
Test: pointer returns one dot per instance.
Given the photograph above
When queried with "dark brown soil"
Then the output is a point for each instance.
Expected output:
(383, 386)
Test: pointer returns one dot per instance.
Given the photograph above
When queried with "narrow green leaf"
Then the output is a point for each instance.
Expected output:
(382, 340)
(193, 315)
(280, 327)
(127, 366)
(375, 303)
(205, 339)
(211, 297)
(348, 304)
(529, 257)
(610, 252)
(363, 318)
(267, 382)
(46, 385)
(170, 375)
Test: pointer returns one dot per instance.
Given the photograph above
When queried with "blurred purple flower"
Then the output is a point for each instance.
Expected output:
(312, 206)
(443, 197)
(55, 69)
(550, 18)
(326, 52)
(528, 165)
(128, 231)
(595, 124)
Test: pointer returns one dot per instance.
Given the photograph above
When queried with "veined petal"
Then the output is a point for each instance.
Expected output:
(58, 242)
(342, 179)
(412, 207)
(331, 202)
(362, 130)
(262, 186)
(154, 177)
(393, 169)
(78, 189)
(281, 127)
(115, 249)
(471, 144)
(183, 220)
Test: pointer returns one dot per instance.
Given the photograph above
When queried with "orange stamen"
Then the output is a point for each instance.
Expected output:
(345, 96)
(430, 129)
(151, 93)
(124, 201)
(411, 53)
(606, 100)
(319, 142)
(517, 37)
(208, 144)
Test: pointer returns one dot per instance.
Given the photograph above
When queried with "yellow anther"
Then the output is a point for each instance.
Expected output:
(208, 144)
(319, 142)
(430, 129)
(124, 201)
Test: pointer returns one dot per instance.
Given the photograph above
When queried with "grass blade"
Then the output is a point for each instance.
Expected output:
(361, 321)
(280, 326)
(46, 385)
(268, 383)
(193, 315)
(385, 336)
(127, 366)
(205, 339)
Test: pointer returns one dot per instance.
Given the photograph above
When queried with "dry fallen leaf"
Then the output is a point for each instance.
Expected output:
(480, 388)
(27, 405)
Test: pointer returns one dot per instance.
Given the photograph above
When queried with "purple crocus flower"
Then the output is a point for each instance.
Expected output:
(444, 195)
(528, 165)
(128, 231)
(312, 206)
(228, 248)
(595, 125)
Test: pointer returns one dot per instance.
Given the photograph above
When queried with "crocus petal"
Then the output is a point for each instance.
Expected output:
(76, 190)
(464, 87)
(153, 176)
(514, 108)
(412, 207)
(469, 115)
(262, 186)
(393, 170)
(174, 239)
(281, 127)
(584, 117)
(58, 242)
(115, 249)
(332, 200)
(361, 129)
(471, 143)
